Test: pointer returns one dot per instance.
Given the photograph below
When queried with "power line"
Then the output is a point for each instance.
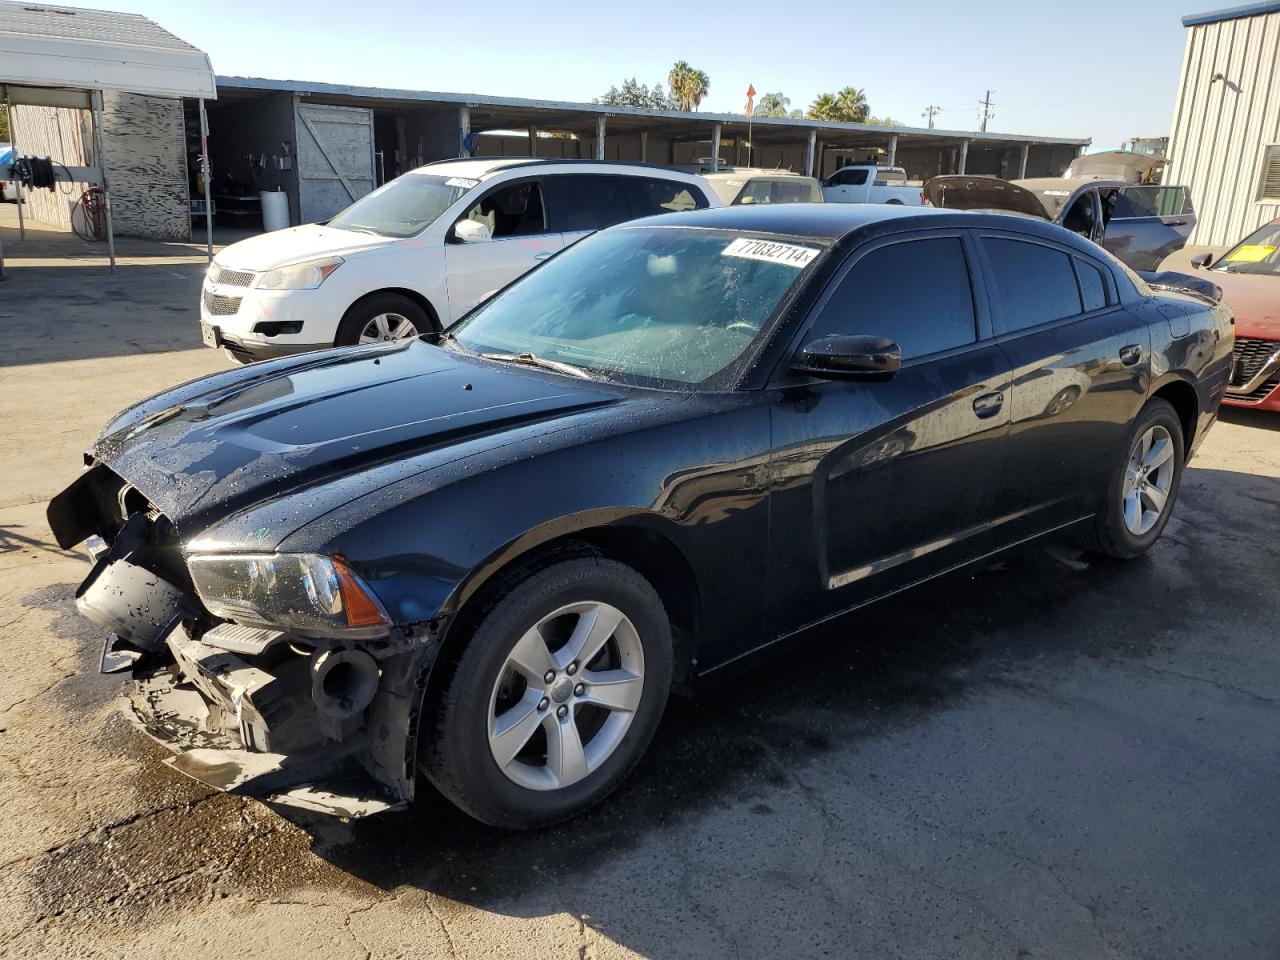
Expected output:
(931, 111)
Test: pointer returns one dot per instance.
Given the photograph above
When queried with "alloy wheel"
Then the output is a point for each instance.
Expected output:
(388, 326)
(566, 695)
(1148, 478)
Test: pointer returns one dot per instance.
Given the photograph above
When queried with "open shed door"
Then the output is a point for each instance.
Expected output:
(335, 158)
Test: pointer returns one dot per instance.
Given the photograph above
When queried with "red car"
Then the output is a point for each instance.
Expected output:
(1249, 275)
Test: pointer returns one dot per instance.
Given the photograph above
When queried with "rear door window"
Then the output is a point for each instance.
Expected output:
(1033, 283)
(916, 292)
(651, 195)
(583, 201)
(1131, 203)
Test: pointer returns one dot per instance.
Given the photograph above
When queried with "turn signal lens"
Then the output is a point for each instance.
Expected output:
(362, 610)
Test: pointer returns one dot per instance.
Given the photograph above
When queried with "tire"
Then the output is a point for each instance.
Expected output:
(1111, 532)
(412, 319)
(461, 733)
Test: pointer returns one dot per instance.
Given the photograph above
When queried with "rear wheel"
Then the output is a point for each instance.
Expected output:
(381, 318)
(555, 697)
(1142, 486)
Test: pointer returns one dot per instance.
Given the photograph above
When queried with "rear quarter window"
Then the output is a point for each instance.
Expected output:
(650, 196)
(1093, 287)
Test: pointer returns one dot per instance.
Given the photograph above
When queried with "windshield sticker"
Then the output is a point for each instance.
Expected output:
(464, 182)
(1250, 253)
(788, 254)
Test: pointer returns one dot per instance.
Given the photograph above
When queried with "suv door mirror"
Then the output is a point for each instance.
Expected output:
(840, 357)
(1202, 260)
(470, 231)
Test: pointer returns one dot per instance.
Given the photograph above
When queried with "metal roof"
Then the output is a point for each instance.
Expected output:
(66, 47)
(1232, 13)
(517, 111)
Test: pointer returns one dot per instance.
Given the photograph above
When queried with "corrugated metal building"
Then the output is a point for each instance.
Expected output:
(1225, 142)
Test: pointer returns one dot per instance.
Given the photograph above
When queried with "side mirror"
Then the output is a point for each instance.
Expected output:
(1202, 260)
(839, 357)
(471, 231)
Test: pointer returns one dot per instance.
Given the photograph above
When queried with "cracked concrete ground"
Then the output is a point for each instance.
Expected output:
(1050, 757)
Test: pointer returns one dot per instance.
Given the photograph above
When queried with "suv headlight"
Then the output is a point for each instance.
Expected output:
(301, 592)
(298, 276)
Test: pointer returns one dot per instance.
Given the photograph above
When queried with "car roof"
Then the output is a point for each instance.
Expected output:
(835, 221)
(480, 168)
(824, 221)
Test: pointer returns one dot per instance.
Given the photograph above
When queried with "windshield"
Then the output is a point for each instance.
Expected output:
(1257, 254)
(647, 306)
(404, 207)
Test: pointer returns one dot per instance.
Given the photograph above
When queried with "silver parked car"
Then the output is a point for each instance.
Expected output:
(1141, 223)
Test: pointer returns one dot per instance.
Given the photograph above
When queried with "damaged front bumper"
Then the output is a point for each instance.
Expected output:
(323, 723)
(250, 723)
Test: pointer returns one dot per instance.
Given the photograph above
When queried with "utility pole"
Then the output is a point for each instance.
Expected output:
(931, 111)
(985, 113)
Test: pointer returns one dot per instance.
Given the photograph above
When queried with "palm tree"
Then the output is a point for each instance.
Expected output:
(853, 105)
(848, 105)
(688, 86)
(824, 107)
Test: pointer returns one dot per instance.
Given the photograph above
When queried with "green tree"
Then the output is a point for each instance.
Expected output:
(848, 105)
(688, 86)
(773, 105)
(635, 94)
(4, 122)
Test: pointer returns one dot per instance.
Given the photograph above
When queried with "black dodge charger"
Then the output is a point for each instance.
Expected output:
(487, 556)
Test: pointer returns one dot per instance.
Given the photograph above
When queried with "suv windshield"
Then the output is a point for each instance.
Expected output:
(404, 207)
(1257, 254)
(647, 306)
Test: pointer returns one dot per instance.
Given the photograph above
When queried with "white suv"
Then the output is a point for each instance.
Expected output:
(419, 252)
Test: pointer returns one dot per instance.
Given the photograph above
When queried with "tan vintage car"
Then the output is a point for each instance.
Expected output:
(753, 185)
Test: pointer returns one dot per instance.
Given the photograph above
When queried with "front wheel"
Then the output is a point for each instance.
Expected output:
(555, 697)
(380, 318)
(1142, 487)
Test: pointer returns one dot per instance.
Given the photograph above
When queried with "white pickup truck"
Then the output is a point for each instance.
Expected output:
(868, 183)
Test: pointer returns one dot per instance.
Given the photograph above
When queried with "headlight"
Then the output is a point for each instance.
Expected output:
(299, 276)
(301, 592)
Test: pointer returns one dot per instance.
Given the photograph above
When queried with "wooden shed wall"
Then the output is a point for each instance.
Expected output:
(145, 143)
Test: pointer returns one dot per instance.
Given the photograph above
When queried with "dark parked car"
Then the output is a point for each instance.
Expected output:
(488, 560)
(1140, 224)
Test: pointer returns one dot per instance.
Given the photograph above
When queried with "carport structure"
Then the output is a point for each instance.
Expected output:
(347, 139)
(64, 59)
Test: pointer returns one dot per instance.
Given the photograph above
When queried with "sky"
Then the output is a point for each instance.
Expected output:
(1088, 68)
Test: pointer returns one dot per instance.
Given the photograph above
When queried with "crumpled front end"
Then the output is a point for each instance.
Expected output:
(319, 723)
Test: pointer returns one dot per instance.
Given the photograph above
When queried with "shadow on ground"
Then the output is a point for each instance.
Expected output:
(806, 732)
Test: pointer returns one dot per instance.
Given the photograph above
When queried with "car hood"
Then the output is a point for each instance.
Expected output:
(205, 450)
(1254, 300)
(267, 251)
(958, 192)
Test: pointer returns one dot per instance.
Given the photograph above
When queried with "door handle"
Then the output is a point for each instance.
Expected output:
(988, 405)
(1130, 355)
(543, 255)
